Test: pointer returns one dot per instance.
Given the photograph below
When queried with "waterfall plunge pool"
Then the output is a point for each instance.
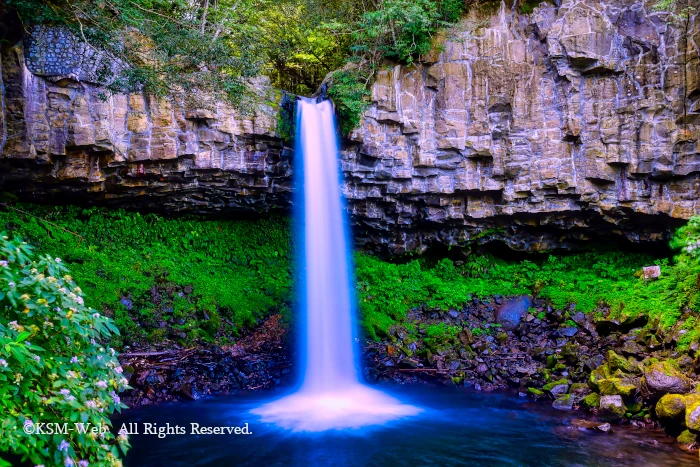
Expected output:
(455, 428)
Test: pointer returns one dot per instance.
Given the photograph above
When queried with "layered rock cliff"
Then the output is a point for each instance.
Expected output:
(541, 130)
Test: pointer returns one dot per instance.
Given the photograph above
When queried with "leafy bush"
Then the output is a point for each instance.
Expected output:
(56, 365)
(349, 94)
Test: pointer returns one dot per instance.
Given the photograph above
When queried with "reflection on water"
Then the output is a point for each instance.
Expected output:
(465, 428)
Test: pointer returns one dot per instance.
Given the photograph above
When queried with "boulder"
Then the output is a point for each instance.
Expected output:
(662, 378)
(613, 386)
(616, 362)
(591, 425)
(564, 402)
(670, 407)
(511, 312)
(591, 400)
(692, 412)
(687, 437)
(612, 408)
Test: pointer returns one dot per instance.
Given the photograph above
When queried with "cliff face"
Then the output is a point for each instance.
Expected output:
(540, 130)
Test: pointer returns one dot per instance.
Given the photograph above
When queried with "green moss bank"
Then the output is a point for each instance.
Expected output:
(201, 278)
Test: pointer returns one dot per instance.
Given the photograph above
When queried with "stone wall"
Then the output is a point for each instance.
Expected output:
(541, 130)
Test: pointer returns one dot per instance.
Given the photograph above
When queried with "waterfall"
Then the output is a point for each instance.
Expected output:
(331, 395)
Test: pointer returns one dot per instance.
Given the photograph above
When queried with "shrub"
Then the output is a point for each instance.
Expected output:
(54, 367)
(349, 94)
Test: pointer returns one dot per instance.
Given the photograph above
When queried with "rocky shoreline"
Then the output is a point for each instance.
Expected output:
(622, 372)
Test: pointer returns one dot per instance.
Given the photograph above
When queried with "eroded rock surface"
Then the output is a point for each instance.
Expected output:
(541, 130)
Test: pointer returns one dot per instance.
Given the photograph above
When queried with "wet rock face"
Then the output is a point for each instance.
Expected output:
(580, 116)
(540, 130)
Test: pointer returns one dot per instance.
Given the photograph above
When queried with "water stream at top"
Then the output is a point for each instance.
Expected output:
(331, 395)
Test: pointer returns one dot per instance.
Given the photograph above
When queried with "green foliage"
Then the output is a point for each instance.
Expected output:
(237, 270)
(590, 281)
(56, 365)
(350, 96)
(164, 47)
(398, 30)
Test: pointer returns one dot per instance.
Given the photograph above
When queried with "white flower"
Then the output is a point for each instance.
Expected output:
(28, 422)
(92, 341)
(13, 325)
(58, 260)
(3, 363)
(90, 404)
(68, 462)
(37, 358)
(63, 446)
(124, 381)
(119, 370)
(3, 263)
(83, 463)
(65, 392)
(11, 285)
(101, 384)
(99, 357)
(74, 359)
(80, 300)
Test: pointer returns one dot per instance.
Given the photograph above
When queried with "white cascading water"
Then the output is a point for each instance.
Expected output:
(331, 395)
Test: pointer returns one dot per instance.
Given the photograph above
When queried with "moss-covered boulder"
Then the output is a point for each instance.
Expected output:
(557, 387)
(687, 437)
(564, 402)
(612, 408)
(602, 372)
(662, 378)
(670, 407)
(617, 362)
(616, 386)
(591, 400)
(692, 412)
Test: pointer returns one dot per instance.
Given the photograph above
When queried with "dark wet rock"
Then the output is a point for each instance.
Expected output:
(465, 337)
(559, 389)
(591, 425)
(612, 408)
(631, 348)
(568, 331)
(511, 312)
(190, 392)
(128, 304)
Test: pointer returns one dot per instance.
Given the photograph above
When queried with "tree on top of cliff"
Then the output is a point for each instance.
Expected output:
(167, 47)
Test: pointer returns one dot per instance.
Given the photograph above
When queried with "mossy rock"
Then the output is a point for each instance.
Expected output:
(591, 400)
(671, 407)
(551, 361)
(692, 412)
(664, 377)
(616, 386)
(602, 372)
(579, 388)
(535, 392)
(612, 408)
(617, 362)
(550, 386)
(687, 437)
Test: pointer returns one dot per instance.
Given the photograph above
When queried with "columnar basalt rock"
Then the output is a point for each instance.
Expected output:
(66, 140)
(582, 116)
(541, 130)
